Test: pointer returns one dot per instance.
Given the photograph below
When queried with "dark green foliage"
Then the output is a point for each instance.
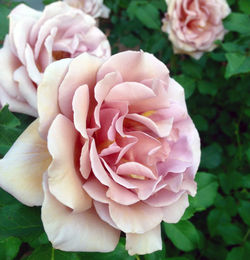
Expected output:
(216, 224)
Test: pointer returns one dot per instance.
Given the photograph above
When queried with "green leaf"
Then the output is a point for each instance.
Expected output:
(184, 235)
(187, 83)
(6, 198)
(8, 129)
(206, 191)
(216, 218)
(192, 69)
(244, 6)
(146, 13)
(230, 181)
(120, 253)
(200, 123)
(239, 253)
(230, 233)
(207, 87)
(20, 221)
(4, 12)
(244, 211)
(149, 16)
(211, 156)
(237, 63)
(227, 204)
(177, 258)
(9, 248)
(238, 22)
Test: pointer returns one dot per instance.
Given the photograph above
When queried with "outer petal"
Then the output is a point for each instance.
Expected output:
(144, 66)
(174, 212)
(71, 231)
(145, 243)
(47, 94)
(64, 182)
(82, 70)
(136, 218)
(22, 167)
(80, 106)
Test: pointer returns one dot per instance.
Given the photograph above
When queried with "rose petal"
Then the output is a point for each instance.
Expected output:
(22, 168)
(121, 195)
(136, 218)
(144, 65)
(26, 87)
(47, 94)
(80, 106)
(144, 243)
(64, 182)
(96, 190)
(82, 70)
(103, 212)
(163, 198)
(174, 212)
(71, 231)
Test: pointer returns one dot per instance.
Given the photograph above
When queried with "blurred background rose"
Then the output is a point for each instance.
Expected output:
(35, 40)
(95, 8)
(194, 25)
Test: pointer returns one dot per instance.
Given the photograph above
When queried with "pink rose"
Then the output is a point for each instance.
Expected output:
(35, 40)
(118, 152)
(95, 8)
(194, 25)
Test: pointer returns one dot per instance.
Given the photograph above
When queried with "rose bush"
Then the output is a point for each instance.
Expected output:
(95, 8)
(35, 40)
(194, 25)
(116, 149)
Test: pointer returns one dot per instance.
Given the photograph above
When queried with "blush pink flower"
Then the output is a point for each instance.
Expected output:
(116, 149)
(35, 40)
(194, 25)
(95, 8)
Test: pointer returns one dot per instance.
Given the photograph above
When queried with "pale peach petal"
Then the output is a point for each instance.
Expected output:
(85, 165)
(144, 243)
(146, 188)
(96, 190)
(26, 87)
(80, 106)
(82, 70)
(161, 128)
(9, 63)
(22, 18)
(118, 179)
(121, 195)
(71, 231)
(145, 66)
(136, 218)
(97, 167)
(135, 168)
(31, 67)
(63, 179)
(102, 210)
(22, 168)
(15, 105)
(47, 94)
(174, 212)
(102, 89)
(187, 128)
(163, 198)
(130, 92)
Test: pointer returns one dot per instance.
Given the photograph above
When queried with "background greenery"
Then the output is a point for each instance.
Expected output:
(216, 225)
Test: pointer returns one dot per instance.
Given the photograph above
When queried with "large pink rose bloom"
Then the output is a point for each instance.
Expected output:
(35, 40)
(118, 152)
(95, 8)
(194, 25)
